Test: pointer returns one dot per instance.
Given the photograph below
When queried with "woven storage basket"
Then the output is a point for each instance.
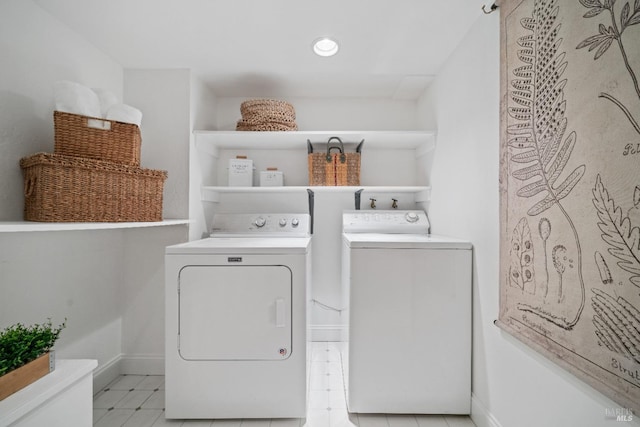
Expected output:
(334, 169)
(254, 106)
(267, 115)
(265, 127)
(95, 138)
(71, 189)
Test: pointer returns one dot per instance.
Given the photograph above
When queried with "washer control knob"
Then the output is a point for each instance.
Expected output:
(411, 217)
(260, 222)
(282, 222)
(295, 222)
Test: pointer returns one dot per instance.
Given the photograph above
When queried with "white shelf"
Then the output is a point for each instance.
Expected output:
(22, 226)
(211, 193)
(212, 141)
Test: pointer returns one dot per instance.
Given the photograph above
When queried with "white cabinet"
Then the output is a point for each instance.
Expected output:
(392, 161)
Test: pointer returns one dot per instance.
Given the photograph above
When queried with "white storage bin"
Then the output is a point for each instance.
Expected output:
(240, 173)
(271, 178)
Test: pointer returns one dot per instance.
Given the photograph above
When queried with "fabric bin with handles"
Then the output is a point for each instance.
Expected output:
(334, 169)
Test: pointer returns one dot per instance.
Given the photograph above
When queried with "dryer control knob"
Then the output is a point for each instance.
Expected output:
(282, 222)
(260, 222)
(411, 217)
(295, 222)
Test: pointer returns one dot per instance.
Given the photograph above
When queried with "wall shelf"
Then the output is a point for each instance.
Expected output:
(212, 193)
(26, 226)
(212, 141)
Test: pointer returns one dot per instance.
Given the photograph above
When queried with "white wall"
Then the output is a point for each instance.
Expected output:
(109, 284)
(165, 97)
(76, 275)
(36, 51)
(512, 384)
(334, 113)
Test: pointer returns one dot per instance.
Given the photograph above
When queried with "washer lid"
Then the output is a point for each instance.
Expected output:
(403, 241)
(245, 245)
(385, 221)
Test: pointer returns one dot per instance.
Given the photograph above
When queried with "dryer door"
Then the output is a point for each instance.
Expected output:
(235, 312)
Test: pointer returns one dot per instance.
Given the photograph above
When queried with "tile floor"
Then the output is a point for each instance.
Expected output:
(138, 401)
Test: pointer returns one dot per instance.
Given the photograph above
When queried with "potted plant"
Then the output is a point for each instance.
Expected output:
(26, 355)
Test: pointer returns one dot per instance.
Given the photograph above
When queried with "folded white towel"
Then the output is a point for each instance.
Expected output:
(107, 100)
(74, 98)
(124, 113)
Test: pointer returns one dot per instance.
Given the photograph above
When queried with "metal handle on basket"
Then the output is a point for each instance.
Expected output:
(29, 185)
(343, 157)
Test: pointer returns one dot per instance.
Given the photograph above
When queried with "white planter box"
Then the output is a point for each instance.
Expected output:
(62, 398)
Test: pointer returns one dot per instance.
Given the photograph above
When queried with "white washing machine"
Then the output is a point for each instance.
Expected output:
(236, 319)
(408, 295)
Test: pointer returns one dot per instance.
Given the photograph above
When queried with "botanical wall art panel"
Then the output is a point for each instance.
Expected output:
(570, 187)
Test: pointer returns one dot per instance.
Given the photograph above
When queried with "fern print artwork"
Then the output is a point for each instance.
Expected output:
(570, 187)
(613, 34)
(541, 151)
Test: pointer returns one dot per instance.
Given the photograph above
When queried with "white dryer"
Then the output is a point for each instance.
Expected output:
(236, 319)
(408, 295)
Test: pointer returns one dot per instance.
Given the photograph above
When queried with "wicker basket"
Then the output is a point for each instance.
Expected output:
(254, 106)
(334, 169)
(71, 189)
(267, 115)
(96, 138)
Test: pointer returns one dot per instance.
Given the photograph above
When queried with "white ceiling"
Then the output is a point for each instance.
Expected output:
(249, 48)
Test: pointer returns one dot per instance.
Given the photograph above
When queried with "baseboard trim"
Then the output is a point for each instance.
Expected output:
(106, 373)
(142, 364)
(480, 415)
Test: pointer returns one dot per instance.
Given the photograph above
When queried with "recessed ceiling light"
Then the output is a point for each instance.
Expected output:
(325, 46)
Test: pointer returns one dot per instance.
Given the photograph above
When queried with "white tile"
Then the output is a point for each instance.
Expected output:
(334, 368)
(126, 382)
(320, 355)
(318, 399)
(317, 418)
(318, 345)
(197, 423)
(133, 399)
(337, 399)
(163, 422)
(98, 413)
(108, 399)
(396, 420)
(335, 382)
(115, 418)
(226, 423)
(255, 423)
(144, 418)
(431, 421)
(459, 421)
(339, 417)
(372, 420)
(319, 368)
(155, 401)
(288, 422)
(319, 382)
(151, 382)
